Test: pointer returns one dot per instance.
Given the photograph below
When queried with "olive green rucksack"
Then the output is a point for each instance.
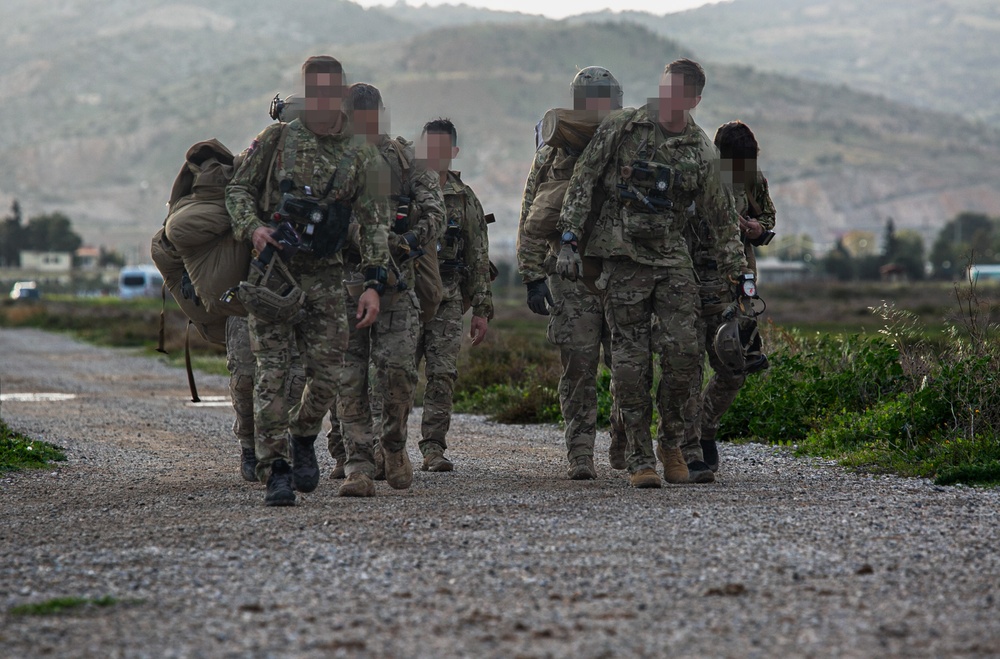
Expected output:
(195, 250)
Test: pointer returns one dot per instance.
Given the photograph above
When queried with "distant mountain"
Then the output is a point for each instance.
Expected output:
(935, 54)
(102, 97)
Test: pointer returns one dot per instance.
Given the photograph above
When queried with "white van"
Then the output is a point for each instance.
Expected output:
(139, 281)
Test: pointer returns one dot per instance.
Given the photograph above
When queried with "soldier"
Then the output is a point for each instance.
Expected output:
(315, 171)
(465, 270)
(738, 151)
(391, 342)
(652, 165)
(576, 324)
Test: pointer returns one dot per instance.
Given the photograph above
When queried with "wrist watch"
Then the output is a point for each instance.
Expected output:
(569, 238)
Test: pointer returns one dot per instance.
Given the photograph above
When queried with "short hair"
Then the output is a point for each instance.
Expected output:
(322, 64)
(694, 75)
(441, 126)
(362, 96)
(736, 141)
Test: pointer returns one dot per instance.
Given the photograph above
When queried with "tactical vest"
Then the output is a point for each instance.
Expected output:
(289, 164)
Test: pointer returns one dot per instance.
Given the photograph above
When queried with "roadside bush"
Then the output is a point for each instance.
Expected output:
(891, 402)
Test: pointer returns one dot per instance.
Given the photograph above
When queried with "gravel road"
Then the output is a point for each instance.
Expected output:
(503, 557)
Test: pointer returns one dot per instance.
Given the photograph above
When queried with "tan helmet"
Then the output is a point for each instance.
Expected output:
(593, 81)
(271, 293)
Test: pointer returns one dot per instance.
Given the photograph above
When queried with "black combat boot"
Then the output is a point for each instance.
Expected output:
(711, 452)
(305, 469)
(279, 485)
(248, 465)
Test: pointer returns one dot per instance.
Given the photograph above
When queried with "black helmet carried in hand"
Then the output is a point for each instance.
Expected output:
(738, 346)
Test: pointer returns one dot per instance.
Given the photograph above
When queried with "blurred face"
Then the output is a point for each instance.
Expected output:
(675, 100)
(738, 171)
(596, 99)
(367, 123)
(435, 150)
(323, 101)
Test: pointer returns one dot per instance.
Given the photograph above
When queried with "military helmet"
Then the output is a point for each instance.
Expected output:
(589, 81)
(738, 346)
(286, 109)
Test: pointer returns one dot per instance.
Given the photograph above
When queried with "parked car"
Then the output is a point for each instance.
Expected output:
(139, 281)
(25, 291)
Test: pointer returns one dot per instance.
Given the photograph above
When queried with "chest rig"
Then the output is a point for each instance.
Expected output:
(451, 251)
(313, 220)
(652, 181)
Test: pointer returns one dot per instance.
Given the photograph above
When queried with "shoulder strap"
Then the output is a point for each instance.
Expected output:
(274, 162)
(755, 209)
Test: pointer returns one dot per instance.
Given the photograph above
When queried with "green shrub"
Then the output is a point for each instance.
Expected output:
(894, 402)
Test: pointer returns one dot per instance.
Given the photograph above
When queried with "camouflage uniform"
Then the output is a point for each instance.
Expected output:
(241, 365)
(576, 321)
(465, 269)
(308, 160)
(391, 342)
(721, 390)
(647, 269)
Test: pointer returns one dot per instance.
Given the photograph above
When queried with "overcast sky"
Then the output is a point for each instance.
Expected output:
(561, 8)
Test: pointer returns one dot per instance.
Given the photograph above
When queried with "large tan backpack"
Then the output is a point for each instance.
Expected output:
(195, 250)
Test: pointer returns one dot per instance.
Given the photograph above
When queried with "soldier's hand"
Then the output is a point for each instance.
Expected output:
(368, 308)
(569, 265)
(751, 228)
(262, 237)
(477, 332)
(538, 296)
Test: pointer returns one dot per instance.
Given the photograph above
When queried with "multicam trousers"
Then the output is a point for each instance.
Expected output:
(578, 327)
(321, 337)
(634, 295)
(388, 347)
(242, 367)
(439, 343)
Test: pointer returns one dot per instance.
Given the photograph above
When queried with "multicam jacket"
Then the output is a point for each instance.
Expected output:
(254, 191)
(425, 214)
(684, 165)
(463, 253)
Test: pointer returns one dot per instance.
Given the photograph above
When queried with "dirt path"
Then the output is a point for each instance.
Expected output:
(501, 558)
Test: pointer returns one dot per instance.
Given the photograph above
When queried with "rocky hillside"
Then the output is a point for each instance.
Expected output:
(102, 98)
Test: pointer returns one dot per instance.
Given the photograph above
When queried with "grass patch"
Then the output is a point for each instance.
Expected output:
(59, 605)
(20, 452)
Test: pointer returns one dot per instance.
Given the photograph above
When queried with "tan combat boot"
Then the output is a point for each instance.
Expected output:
(645, 478)
(582, 469)
(675, 470)
(398, 470)
(357, 485)
(436, 462)
(338, 469)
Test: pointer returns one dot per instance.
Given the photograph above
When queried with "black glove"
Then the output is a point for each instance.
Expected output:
(409, 247)
(538, 295)
(188, 292)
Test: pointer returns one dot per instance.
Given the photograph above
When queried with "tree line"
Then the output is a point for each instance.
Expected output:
(966, 239)
(49, 232)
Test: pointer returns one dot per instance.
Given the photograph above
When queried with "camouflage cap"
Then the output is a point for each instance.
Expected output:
(592, 78)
